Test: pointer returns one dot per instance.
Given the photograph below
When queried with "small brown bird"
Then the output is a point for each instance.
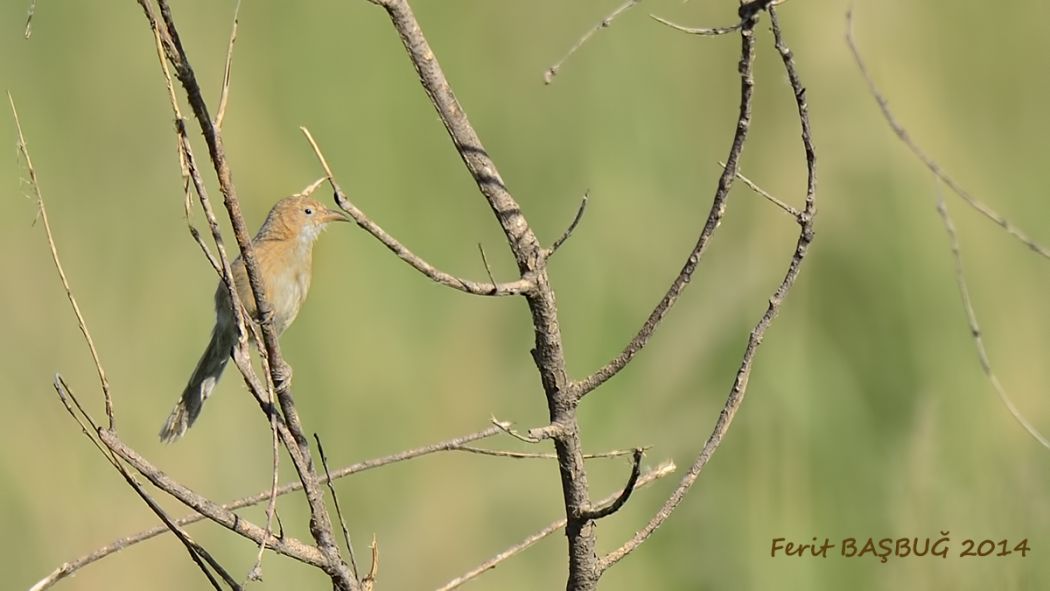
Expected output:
(283, 251)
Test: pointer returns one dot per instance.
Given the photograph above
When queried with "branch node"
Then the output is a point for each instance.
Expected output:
(550, 431)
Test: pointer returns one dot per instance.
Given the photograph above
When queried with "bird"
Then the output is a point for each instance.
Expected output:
(283, 252)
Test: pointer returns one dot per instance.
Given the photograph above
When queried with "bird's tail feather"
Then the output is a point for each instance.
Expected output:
(205, 376)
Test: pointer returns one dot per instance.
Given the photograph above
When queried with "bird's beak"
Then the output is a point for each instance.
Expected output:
(333, 215)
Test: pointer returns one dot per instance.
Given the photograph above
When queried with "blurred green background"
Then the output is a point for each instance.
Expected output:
(867, 412)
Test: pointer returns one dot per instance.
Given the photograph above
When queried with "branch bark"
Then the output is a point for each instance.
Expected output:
(547, 353)
(320, 520)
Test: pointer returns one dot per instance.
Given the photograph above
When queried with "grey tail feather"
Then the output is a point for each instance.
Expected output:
(205, 376)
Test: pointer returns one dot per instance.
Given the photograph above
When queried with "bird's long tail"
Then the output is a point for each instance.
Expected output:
(205, 376)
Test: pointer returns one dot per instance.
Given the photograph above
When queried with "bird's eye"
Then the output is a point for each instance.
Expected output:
(308, 211)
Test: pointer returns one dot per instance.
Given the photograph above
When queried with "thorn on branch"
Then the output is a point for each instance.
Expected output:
(572, 227)
(636, 470)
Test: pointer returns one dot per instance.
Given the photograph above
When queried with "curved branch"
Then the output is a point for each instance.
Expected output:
(613, 507)
(714, 218)
(930, 163)
(436, 275)
(739, 388)
(664, 469)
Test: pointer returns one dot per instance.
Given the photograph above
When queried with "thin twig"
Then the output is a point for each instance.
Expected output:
(551, 72)
(72, 566)
(942, 209)
(714, 219)
(649, 477)
(81, 323)
(572, 227)
(465, 285)
(29, 20)
(338, 507)
(739, 388)
(255, 573)
(975, 328)
(698, 30)
(288, 546)
(774, 200)
(613, 507)
(500, 453)
(903, 135)
(90, 429)
(488, 269)
(506, 428)
(191, 174)
(228, 70)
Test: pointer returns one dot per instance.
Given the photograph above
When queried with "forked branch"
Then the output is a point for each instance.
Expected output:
(739, 387)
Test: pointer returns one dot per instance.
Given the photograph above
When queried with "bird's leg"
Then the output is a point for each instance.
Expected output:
(282, 375)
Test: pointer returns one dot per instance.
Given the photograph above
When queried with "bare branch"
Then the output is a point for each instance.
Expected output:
(286, 545)
(488, 269)
(613, 507)
(81, 323)
(280, 373)
(117, 545)
(90, 429)
(505, 427)
(903, 135)
(551, 72)
(572, 227)
(338, 508)
(255, 573)
(499, 453)
(790, 210)
(975, 328)
(438, 276)
(709, 31)
(649, 477)
(227, 70)
(739, 389)
(714, 219)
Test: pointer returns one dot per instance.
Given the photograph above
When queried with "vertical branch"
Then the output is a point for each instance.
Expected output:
(320, 521)
(739, 387)
(547, 353)
(714, 217)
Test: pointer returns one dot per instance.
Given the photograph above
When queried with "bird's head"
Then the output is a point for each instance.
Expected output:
(298, 218)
